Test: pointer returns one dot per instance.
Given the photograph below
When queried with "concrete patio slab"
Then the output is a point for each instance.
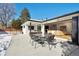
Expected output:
(21, 46)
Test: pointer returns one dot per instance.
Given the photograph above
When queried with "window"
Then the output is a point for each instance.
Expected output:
(39, 28)
(31, 27)
(23, 26)
(54, 27)
(63, 28)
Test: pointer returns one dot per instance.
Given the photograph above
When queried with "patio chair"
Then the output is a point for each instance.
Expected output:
(68, 48)
(51, 41)
(42, 41)
(39, 40)
(32, 39)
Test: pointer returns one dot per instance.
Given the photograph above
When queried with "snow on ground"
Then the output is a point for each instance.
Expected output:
(21, 46)
(5, 40)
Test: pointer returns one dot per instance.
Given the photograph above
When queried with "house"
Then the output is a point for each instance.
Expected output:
(63, 23)
(1, 27)
(30, 25)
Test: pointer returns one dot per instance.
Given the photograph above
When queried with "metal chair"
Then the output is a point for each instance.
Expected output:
(51, 41)
(32, 38)
(39, 40)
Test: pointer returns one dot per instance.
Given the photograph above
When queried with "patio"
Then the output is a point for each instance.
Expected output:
(21, 46)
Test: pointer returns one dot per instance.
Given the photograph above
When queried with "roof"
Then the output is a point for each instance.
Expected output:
(34, 20)
(62, 16)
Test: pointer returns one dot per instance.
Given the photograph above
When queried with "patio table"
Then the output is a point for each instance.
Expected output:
(39, 39)
(42, 38)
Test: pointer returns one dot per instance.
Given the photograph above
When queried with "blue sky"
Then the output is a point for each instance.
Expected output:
(46, 10)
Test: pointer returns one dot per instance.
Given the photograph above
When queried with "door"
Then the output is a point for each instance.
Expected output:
(46, 28)
(75, 30)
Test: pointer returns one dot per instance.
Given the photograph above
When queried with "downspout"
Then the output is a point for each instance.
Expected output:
(30, 27)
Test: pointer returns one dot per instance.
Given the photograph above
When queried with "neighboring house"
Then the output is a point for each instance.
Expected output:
(1, 27)
(63, 23)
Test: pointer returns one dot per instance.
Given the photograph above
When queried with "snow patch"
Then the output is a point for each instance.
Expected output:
(5, 40)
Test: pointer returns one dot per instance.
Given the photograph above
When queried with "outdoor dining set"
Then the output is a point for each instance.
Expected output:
(47, 39)
(50, 41)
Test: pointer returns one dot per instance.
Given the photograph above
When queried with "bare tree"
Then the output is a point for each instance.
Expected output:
(7, 11)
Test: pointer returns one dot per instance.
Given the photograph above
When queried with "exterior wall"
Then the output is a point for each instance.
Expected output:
(68, 25)
(26, 24)
(52, 27)
(25, 29)
(35, 28)
(62, 21)
(43, 29)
